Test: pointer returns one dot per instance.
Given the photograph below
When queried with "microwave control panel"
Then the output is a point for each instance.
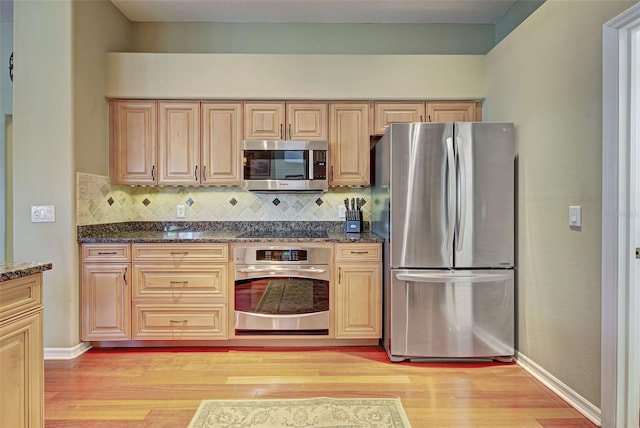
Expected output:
(319, 164)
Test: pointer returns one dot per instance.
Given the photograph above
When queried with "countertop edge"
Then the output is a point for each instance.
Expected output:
(15, 270)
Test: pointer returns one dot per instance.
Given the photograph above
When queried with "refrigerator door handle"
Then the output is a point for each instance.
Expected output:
(452, 277)
(451, 190)
(461, 171)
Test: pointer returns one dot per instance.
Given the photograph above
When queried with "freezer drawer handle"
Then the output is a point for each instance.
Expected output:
(446, 277)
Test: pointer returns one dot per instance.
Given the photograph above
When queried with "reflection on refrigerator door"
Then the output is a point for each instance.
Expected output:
(458, 314)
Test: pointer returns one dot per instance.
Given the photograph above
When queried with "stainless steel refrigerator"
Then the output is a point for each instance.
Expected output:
(443, 199)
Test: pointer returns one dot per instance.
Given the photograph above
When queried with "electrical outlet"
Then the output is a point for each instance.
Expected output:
(43, 214)
(341, 211)
(180, 213)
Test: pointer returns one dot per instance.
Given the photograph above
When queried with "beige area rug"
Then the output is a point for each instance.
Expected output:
(310, 412)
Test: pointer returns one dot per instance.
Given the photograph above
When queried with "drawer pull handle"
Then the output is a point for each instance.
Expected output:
(178, 321)
(179, 282)
(107, 253)
(177, 253)
(359, 252)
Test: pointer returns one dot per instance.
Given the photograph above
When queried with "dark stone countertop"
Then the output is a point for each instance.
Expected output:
(13, 270)
(229, 232)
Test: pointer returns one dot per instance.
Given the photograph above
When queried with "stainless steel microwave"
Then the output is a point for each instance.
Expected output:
(285, 165)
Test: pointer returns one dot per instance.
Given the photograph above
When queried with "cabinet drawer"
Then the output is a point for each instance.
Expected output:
(358, 252)
(179, 321)
(106, 253)
(20, 295)
(179, 253)
(189, 282)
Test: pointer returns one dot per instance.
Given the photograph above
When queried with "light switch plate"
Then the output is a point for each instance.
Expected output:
(341, 211)
(575, 216)
(180, 212)
(43, 214)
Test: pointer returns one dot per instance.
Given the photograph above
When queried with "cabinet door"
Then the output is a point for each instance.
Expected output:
(221, 138)
(132, 141)
(179, 142)
(21, 356)
(359, 301)
(349, 143)
(106, 301)
(307, 121)
(452, 111)
(264, 121)
(387, 113)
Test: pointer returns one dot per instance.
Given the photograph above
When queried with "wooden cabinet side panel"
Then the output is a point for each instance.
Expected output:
(22, 369)
(221, 143)
(179, 142)
(106, 301)
(133, 141)
(349, 143)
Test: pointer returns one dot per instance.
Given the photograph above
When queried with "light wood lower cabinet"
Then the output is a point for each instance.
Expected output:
(106, 292)
(358, 291)
(180, 291)
(21, 353)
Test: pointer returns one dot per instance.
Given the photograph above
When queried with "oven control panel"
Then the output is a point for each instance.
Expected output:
(282, 254)
(279, 255)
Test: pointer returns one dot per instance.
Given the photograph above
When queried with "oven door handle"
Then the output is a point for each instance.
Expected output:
(310, 270)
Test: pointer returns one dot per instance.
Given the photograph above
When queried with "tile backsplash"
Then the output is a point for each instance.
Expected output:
(99, 202)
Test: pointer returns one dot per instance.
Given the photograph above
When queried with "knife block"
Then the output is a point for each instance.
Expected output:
(353, 223)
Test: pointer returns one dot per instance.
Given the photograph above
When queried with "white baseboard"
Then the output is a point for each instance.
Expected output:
(66, 353)
(574, 399)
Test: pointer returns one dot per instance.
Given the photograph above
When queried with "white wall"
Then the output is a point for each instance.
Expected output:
(6, 108)
(43, 158)
(58, 116)
(546, 77)
(264, 76)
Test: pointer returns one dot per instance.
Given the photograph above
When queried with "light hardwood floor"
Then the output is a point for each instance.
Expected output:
(163, 387)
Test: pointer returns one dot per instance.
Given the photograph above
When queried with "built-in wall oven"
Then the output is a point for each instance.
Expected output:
(282, 290)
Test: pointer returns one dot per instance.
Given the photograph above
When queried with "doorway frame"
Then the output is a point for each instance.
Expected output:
(620, 331)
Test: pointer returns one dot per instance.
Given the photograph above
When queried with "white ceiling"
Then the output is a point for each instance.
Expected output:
(316, 11)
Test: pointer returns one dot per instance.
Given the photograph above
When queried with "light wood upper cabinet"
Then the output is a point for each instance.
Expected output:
(386, 113)
(285, 121)
(179, 142)
(307, 121)
(133, 141)
(454, 111)
(349, 144)
(264, 121)
(221, 137)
